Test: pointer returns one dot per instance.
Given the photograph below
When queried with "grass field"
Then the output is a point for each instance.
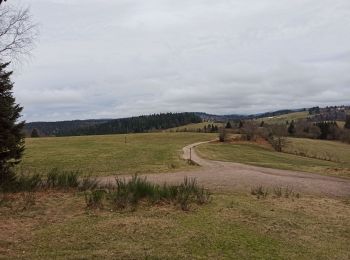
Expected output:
(193, 127)
(281, 119)
(109, 154)
(235, 226)
(257, 155)
(322, 149)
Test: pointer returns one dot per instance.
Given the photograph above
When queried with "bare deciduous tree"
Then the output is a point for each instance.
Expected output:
(17, 32)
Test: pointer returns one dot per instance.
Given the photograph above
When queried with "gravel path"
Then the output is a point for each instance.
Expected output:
(228, 176)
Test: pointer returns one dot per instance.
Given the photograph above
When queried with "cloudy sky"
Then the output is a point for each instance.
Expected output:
(117, 58)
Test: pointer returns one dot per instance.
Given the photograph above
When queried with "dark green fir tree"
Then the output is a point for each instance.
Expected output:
(11, 131)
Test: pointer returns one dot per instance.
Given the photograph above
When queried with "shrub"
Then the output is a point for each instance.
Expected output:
(29, 183)
(94, 199)
(278, 191)
(130, 193)
(203, 196)
(259, 192)
(88, 183)
(120, 197)
(62, 179)
(286, 192)
(223, 135)
(28, 200)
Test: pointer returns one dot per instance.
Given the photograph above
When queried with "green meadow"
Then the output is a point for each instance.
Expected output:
(110, 154)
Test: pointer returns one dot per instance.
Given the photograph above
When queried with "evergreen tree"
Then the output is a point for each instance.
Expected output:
(34, 133)
(228, 125)
(291, 128)
(262, 124)
(11, 132)
(240, 125)
(327, 129)
(347, 122)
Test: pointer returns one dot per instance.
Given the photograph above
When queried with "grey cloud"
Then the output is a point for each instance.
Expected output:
(116, 58)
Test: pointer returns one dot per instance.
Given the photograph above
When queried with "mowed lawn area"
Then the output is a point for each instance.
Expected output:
(232, 226)
(318, 156)
(109, 154)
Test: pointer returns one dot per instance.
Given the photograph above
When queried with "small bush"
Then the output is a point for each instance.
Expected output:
(278, 191)
(130, 193)
(223, 136)
(259, 192)
(28, 183)
(52, 178)
(62, 179)
(94, 199)
(202, 196)
(28, 200)
(23, 182)
(286, 192)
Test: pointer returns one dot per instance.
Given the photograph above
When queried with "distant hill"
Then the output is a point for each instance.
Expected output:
(60, 127)
(138, 124)
(233, 117)
(157, 122)
(220, 118)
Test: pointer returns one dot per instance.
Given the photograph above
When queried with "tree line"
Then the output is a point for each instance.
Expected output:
(140, 124)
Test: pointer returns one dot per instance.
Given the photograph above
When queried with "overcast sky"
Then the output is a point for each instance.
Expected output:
(117, 58)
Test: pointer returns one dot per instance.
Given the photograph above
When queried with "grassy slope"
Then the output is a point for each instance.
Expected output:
(232, 226)
(261, 156)
(283, 118)
(336, 151)
(193, 127)
(106, 155)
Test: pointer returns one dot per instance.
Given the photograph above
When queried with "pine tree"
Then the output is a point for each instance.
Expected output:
(34, 133)
(347, 122)
(228, 125)
(11, 132)
(291, 128)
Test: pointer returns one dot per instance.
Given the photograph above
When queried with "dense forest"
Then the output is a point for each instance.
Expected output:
(60, 127)
(138, 124)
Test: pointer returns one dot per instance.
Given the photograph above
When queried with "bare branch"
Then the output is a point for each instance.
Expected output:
(2, 1)
(17, 32)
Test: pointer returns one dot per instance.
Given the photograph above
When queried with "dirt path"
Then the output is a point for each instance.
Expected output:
(228, 176)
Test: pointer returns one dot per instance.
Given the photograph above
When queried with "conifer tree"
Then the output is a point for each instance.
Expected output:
(34, 133)
(291, 128)
(347, 122)
(11, 131)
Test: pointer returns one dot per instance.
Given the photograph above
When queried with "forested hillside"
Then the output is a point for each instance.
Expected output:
(60, 127)
(138, 124)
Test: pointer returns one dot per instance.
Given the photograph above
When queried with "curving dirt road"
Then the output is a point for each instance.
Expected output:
(228, 176)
